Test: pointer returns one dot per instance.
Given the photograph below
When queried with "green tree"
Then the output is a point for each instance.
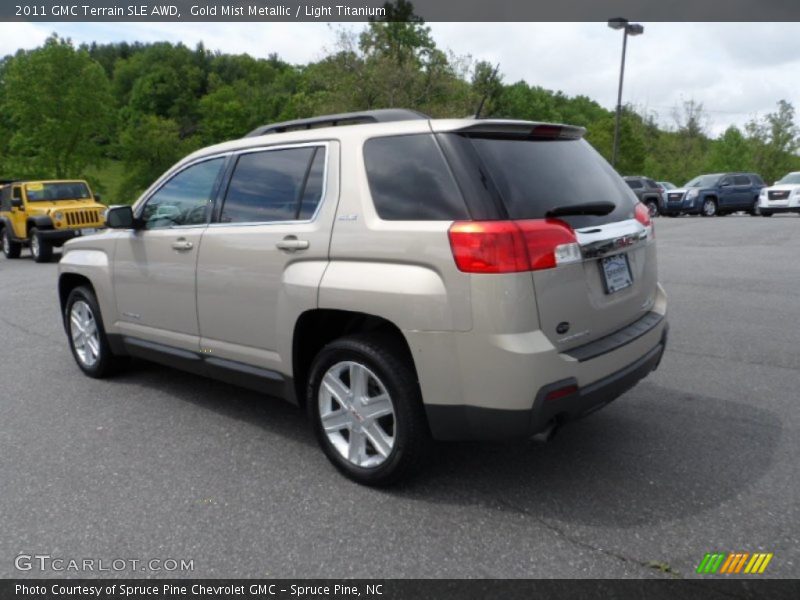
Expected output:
(58, 105)
(730, 152)
(774, 142)
(149, 145)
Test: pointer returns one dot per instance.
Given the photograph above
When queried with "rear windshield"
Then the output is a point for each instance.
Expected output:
(534, 176)
(52, 192)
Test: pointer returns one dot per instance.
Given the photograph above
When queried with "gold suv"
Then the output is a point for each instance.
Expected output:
(44, 214)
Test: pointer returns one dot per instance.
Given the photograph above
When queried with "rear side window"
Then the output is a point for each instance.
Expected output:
(275, 185)
(534, 176)
(410, 181)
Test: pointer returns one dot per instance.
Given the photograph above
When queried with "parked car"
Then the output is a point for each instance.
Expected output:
(365, 267)
(782, 197)
(45, 214)
(667, 185)
(715, 194)
(647, 191)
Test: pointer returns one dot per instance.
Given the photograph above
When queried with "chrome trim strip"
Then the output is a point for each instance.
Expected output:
(612, 238)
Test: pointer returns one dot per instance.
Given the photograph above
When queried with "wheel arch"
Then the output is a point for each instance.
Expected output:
(316, 328)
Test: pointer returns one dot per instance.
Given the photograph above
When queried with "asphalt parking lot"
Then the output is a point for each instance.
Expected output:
(702, 456)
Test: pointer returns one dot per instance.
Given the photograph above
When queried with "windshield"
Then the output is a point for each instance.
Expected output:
(790, 178)
(55, 191)
(704, 181)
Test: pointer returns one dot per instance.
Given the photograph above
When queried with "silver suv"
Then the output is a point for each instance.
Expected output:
(403, 279)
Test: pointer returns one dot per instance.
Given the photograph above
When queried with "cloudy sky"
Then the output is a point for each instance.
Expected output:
(737, 70)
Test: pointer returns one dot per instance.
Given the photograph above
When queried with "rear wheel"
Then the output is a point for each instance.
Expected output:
(41, 249)
(87, 335)
(11, 249)
(709, 207)
(367, 410)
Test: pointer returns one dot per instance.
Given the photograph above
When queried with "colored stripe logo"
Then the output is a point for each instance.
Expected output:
(734, 563)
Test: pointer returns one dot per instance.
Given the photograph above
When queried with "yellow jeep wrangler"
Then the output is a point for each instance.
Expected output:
(45, 214)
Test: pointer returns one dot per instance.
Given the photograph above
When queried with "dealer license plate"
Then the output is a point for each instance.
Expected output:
(616, 272)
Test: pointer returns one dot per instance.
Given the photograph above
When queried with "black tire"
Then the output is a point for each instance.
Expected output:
(755, 210)
(41, 249)
(11, 249)
(388, 362)
(107, 362)
(652, 208)
(709, 208)
(766, 214)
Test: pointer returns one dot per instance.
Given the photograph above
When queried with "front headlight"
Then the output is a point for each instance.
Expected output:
(763, 193)
(692, 193)
(58, 215)
(796, 191)
(103, 214)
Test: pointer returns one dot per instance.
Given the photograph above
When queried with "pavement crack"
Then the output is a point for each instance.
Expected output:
(25, 330)
(560, 532)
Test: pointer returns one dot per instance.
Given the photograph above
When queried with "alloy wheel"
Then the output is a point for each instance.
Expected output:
(84, 334)
(357, 414)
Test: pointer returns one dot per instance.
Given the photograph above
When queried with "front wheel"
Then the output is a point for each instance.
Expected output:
(765, 213)
(41, 249)
(366, 407)
(87, 335)
(11, 249)
(652, 208)
(755, 210)
(709, 208)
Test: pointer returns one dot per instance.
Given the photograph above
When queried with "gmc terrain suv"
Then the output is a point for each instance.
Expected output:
(647, 191)
(403, 279)
(716, 194)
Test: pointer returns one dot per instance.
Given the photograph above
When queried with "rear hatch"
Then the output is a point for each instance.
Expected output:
(603, 276)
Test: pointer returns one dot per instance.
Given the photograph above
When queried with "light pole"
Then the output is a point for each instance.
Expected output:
(627, 29)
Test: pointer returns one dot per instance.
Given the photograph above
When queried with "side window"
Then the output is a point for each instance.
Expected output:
(634, 184)
(725, 181)
(17, 194)
(410, 181)
(185, 198)
(275, 185)
(651, 183)
(741, 180)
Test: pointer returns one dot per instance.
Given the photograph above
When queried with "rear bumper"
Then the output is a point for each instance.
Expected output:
(464, 422)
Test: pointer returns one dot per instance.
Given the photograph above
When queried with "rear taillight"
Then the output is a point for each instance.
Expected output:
(642, 214)
(512, 246)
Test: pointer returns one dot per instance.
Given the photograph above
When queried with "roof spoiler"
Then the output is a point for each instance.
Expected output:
(524, 129)
(353, 118)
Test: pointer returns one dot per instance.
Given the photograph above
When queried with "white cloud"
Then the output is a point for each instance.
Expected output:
(737, 70)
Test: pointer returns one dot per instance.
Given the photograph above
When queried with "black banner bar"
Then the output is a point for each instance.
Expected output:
(430, 10)
(391, 589)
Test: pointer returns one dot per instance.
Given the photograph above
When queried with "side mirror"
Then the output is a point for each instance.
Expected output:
(120, 217)
(16, 203)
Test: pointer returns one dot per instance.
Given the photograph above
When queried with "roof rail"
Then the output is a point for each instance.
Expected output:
(384, 115)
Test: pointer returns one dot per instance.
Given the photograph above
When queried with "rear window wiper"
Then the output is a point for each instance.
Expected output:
(587, 208)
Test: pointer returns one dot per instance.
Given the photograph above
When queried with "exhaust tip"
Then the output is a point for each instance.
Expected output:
(547, 434)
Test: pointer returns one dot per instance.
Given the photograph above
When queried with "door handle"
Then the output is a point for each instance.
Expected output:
(291, 244)
(182, 244)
